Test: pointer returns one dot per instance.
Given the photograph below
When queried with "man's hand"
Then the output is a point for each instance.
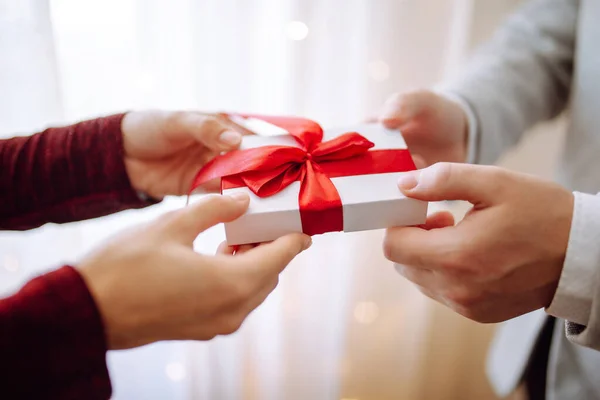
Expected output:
(435, 128)
(503, 259)
(150, 285)
(164, 150)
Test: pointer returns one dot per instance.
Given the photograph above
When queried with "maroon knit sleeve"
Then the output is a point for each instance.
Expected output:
(52, 342)
(65, 174)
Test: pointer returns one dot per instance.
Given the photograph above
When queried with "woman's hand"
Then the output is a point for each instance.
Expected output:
(150, 285)
(164, 150)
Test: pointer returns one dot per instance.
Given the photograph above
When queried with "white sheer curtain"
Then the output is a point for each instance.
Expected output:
(341, 324)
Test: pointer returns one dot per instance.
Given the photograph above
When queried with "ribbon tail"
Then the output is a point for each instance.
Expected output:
(321, 208)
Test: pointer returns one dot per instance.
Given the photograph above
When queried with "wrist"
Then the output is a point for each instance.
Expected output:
(557, 244)
(138, 179)
(121, 331)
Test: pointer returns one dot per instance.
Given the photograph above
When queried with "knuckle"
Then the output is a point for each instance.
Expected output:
(402, 103)
(213, 201)
(238, 291)
(459, 258)
(465, 312)
(465, 300)
(170, 218)
(469, 261)
(401, 269)
(409, 273)
(177, 118)
(441, 172)
(230, 324)
(213, 206)
(170, 215)
(497, 172)
(273, 284)
(501, 178)
(423, 102)
(453, 262)
(167, 217)
(211, 124)
(291, 248)
(430, 294)
(416, 105)
(475, 314)
(425, 291)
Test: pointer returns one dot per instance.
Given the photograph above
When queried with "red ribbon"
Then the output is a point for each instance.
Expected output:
(268, 170)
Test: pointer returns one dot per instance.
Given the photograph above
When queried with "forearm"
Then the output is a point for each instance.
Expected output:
(52, 341)
(522, 76)
(64, 174)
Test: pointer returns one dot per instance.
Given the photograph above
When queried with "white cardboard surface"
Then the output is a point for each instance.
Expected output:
(369, 201)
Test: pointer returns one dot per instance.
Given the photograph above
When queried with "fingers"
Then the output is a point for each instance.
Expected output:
(272, 258)
(421, 246)
(186, 224)
(225, 119)
(212, 131)
(254, 274)
(259, 297)
(225, 249)
(448, 181)
(438, 220)
(417, 247)
(430, 293)
(402, 108)
(233, 319)
(419, 276)
(395, 112)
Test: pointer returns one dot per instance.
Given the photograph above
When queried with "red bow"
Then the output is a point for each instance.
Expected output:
(268, 170)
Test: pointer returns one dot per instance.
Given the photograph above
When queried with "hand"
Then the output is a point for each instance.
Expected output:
(150, 285)
(164, 150)
(435, 128)
(503, 259)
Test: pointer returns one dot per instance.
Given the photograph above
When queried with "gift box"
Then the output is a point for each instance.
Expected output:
(301, 178)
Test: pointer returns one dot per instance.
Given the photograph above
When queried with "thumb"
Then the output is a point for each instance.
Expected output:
(271, 258)
(213, 131)
(448, 181)
(186, 224)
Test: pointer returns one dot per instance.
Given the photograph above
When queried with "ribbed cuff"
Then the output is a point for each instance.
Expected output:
(54, 346)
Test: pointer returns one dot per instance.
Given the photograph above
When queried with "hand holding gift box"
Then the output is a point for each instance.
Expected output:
(302, 179)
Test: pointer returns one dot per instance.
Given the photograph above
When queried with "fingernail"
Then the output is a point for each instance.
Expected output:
(230, 137)
(239, 197)
(307, 243)
(408, 181)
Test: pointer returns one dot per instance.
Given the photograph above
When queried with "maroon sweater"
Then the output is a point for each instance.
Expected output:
(52, 342)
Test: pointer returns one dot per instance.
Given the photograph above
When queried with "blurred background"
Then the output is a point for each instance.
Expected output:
(342, 324)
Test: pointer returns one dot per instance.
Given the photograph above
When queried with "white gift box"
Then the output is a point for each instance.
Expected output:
(369, 201)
